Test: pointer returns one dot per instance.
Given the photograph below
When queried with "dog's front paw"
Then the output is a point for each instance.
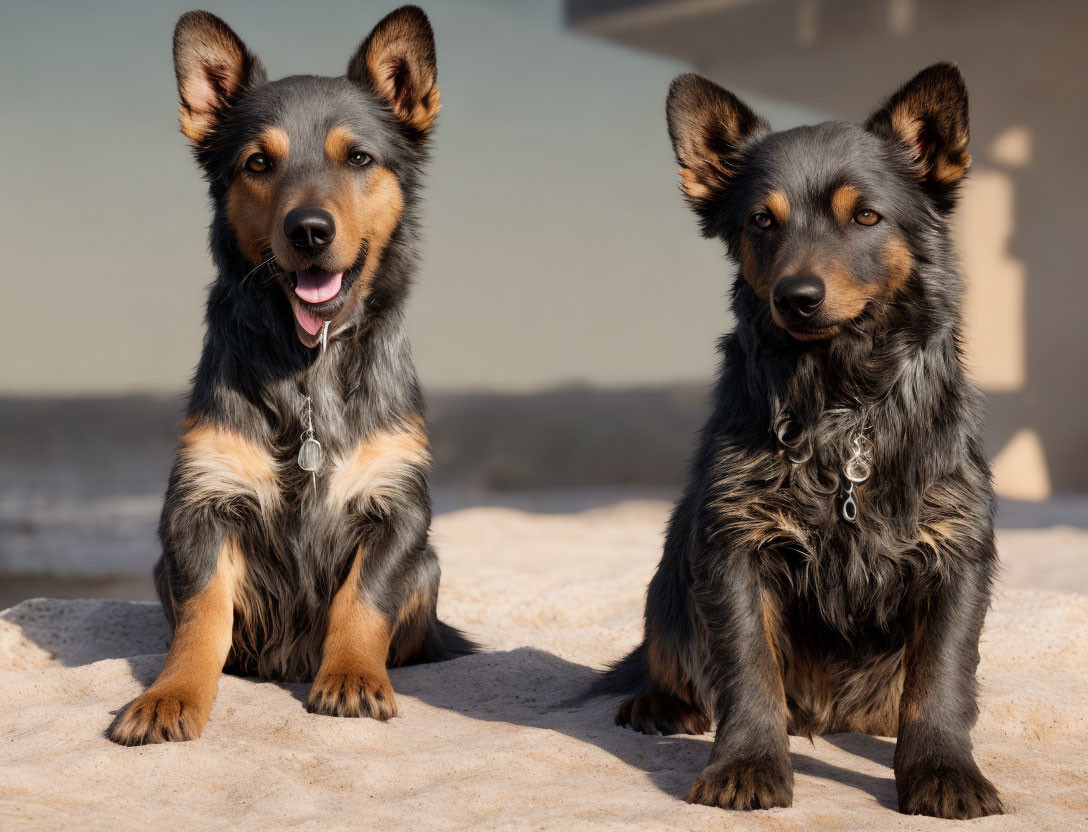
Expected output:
(750, 784)
(164, 715)
(662, 715)
(955, 792)
(352, 695)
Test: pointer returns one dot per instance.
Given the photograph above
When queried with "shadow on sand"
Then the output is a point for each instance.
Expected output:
(526, 687)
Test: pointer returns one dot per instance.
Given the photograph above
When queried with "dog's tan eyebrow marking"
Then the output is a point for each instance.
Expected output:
(844, 202)
(779, 206)
(338, 143)
(274, 141)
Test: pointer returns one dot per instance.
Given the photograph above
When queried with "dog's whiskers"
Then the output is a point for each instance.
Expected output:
(260, 265)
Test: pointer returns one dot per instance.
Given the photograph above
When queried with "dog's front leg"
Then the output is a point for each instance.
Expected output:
(352, 680)
(179, 701)
(749, 765)
(935, 770)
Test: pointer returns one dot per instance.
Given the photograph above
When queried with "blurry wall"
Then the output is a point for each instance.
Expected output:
(1025, 207)
(556, 248)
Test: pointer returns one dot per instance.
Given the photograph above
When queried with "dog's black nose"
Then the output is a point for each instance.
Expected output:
(798, 298)
(309, 229)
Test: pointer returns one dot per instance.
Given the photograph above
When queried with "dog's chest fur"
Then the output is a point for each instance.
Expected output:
(781, 491)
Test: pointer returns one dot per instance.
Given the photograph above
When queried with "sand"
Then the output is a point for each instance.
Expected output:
(487, 741)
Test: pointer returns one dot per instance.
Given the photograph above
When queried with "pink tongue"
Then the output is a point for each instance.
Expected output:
(307, 319)
(317, 286)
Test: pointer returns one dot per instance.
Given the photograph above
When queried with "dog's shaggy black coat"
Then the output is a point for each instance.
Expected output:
(263, 568)
(770, 612)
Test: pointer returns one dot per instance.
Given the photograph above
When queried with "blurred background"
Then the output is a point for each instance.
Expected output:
(565, 318)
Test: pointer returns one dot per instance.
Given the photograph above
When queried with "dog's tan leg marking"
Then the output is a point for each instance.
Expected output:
(352, 680)
(178, 703)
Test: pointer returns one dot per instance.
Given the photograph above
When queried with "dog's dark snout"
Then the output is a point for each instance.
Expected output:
(799, 297)
(309, 229)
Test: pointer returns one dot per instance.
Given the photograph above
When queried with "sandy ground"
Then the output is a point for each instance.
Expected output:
(487, 741)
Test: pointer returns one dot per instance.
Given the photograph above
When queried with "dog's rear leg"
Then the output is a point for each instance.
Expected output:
(352, 680)
(669, 706)
(660, 673)
(178, 703)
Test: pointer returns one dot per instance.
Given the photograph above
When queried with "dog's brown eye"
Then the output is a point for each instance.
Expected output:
(761, 219)
(257, 163)
(866, 216)
(359, 158)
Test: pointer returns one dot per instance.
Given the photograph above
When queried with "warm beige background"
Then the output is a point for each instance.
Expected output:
(1025, 208)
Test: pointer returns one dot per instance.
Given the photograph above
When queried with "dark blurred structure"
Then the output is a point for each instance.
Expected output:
(1022, 220)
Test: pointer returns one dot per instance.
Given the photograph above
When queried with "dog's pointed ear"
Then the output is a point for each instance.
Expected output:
(709, 126)
(928, 116)
(214, 68)
(397, 63)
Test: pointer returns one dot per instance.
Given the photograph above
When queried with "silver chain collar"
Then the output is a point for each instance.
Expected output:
(310, 452)
(858, 469)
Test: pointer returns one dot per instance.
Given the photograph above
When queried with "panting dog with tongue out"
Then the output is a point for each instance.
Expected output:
(295, 527)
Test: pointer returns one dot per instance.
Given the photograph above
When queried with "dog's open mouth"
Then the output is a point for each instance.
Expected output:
(318, 296)
(316, 300)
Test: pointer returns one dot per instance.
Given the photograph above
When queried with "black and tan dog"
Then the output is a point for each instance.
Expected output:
(270, 567)
(829, 566)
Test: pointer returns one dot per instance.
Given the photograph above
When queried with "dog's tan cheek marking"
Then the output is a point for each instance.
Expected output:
(216, 464)
(750, 270)
(379, 467)
(367, 213)
(899, 262)
(846, 296)
(844, 203)
(251, 199)
(779, 205)
(250, 208)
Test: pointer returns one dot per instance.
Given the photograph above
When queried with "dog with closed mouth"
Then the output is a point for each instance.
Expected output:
(830, 564)
(295, 527)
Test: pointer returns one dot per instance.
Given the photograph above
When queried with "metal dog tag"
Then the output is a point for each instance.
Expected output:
(309, 455)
